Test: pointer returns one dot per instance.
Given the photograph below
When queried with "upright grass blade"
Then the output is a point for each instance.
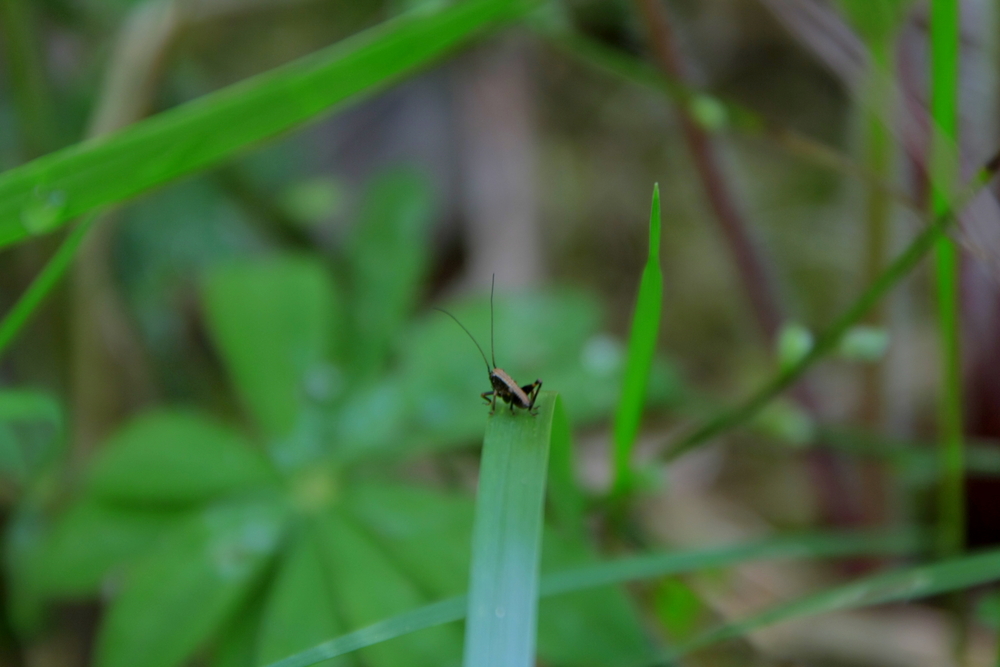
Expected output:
(641, 347)
(507, 537)
(42, 194)
(43, 283)
(944, 102)
(635, 568)
(898, 586)
(830, 337)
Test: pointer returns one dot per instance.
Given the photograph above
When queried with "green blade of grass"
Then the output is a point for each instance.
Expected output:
(944, 103)
(641, 347)
(899, 586)
(828, 340)
(43, 283)
(42, 194)
(616, 572)
(501, 623)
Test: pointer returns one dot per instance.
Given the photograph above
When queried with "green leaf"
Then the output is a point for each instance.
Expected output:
(388, 254)
(369, 586)
(641, 348)
(899, 586)
(300, 610)
(272, 320)
(427, 532)
(171, 457)
(236, 645)
(507, 537)
(634, 568)
(93, 540)
(40, 195)
(180, 594)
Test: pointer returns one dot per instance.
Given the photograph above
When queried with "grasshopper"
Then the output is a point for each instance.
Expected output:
(504, 386)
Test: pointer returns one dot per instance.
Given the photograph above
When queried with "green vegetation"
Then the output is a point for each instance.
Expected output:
(277, 461)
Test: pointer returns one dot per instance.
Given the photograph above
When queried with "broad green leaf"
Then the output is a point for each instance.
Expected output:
(236, 645)
(427, 532)
(176, 597)
(171, 457)
(387, 254)
(634, 568)
(93, 540)
(507, 537)
(369, 586)
(641, 349)
(300, 610)
(39, 196)
(273, 322)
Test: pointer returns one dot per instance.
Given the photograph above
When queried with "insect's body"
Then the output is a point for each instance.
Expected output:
(504, 386)
(510, 393)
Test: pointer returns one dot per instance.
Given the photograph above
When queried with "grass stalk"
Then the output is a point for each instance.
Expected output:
(944, 102)
(641, 348)
(501, 623)
(828, 339)
(54, 269)
(207, 131)
(633, 568)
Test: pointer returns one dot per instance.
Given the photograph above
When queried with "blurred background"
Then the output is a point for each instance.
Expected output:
(281, 305)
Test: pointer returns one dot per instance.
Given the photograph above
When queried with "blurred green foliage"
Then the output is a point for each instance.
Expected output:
(265, 539)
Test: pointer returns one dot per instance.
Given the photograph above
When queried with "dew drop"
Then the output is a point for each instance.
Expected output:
(44, 211)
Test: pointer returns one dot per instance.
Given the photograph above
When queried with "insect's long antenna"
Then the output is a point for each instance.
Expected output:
(470, 336)
(493, 350)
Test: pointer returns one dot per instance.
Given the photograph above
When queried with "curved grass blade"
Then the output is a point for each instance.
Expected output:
(899, 586)
(618, 572)
(641, 347)
(39, 196)
(43, 283)
(502, 612)
(828, 340)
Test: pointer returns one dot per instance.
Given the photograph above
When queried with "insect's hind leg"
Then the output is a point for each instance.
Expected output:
(532, 391)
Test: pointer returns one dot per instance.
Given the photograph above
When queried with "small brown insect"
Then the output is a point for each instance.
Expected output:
(504, 386)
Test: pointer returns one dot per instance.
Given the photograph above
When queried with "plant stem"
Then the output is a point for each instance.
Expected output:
(944, 94)
(943, 168)
(828, 339)
(14, 321)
